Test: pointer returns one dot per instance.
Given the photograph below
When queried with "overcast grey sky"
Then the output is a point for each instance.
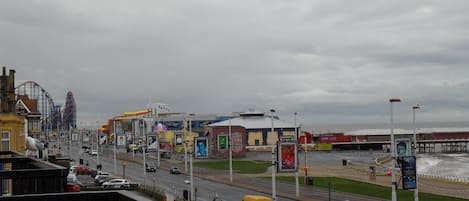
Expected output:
(334, 62)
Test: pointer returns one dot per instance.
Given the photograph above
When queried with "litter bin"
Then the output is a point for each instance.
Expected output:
(309, 181)
(344, 162)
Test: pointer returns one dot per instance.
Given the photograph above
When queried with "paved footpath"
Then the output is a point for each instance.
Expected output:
(360, 173)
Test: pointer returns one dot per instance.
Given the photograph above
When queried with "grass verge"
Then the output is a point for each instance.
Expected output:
(240, 166)
(362, 188)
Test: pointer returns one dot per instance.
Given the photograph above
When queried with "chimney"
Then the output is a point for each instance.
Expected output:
(11, 92)
(3, 91)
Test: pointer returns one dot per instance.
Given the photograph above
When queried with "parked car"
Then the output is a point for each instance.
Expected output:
(82, 170)
(117, 183)
(102, 179)
(72, 187)
(71, 177)
(174, 170)
(150, 167)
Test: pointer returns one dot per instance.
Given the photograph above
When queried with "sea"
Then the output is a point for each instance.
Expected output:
(438, 165)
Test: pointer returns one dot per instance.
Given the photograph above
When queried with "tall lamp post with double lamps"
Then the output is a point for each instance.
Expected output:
(393, 153)
(297, 183)
(274, 160)
(416, 190)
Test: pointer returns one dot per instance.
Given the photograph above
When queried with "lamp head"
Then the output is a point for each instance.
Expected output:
(416, 107)
(392, 100)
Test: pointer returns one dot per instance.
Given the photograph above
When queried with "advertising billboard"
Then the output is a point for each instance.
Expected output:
(287, 157)
(121, 140)
(152, 143)
(201, 147)
(178, 139)
(74, 137)
(403, 147)
(409, 173)
(222, 142)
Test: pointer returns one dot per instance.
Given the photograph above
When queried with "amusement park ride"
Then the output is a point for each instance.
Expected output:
(51, 117)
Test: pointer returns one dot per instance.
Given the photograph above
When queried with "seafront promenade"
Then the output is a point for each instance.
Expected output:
(361, 173)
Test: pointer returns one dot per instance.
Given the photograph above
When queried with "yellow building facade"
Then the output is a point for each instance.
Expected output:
(12, 133)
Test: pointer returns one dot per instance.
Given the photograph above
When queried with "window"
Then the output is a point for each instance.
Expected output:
(5, 141)
(34, 125)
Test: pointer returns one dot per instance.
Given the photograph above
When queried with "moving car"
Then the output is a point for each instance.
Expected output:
(94, 152)
(150, 167)
(117, 183)
(132, 148)
(256, 198)
(174, 170)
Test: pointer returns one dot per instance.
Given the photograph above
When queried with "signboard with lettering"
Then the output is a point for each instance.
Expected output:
(409, 173)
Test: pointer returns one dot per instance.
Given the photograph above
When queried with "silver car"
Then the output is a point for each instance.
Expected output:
(117, 183)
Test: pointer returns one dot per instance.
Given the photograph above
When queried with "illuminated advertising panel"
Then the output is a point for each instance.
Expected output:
(178, 139)
(120, 140)
(403, 147)
(201, 147)
(222, 142)
(409, 173)
(287, 157)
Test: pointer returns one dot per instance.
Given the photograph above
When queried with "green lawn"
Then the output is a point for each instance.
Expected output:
(355, 187)
(243, 167)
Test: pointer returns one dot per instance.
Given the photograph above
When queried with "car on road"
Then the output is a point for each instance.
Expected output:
(117, 183)
(132, 148)
(256, 198)
(82, 170)
(174, 170)
(71, 177)
(102, 179)
(72, 187)
(150, 167)
(94, 152)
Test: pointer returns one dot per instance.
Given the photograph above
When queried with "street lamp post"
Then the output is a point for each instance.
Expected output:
(70, 142)
(191, 153)
(393, 153)
(416, 191)
(115, 145)
(297, 188)
(97, 144)
(231, 151)
(274, 189)
(185, 144)
(144, 168)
